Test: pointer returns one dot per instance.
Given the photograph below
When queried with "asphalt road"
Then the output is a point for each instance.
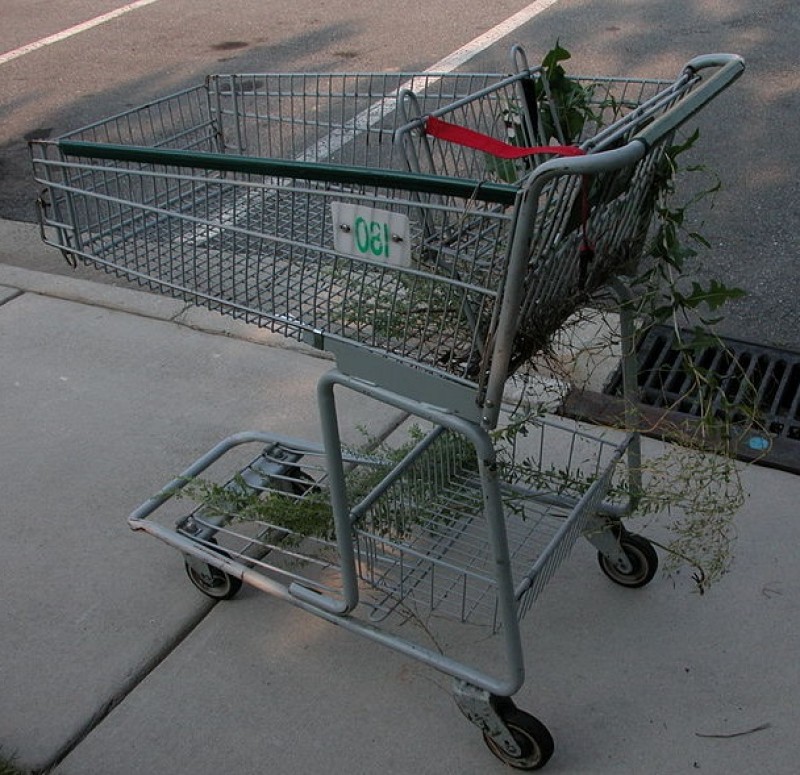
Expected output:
(749, 136)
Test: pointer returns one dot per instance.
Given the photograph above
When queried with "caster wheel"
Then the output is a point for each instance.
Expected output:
(212, 581)
(533, 738)
(642, 557)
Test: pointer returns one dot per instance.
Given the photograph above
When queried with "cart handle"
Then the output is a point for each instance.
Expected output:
(731, 66)
(495, 193)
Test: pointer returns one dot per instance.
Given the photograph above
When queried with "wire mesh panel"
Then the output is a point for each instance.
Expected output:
(588, 225)
(264, 247)
(347, 118)
(181, 121)
(420, 529)
(281, 199)
(426, 541)
(263, 250)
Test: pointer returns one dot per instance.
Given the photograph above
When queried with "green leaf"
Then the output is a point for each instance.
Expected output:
(676, 150)
(556, 54)
(699, 238)
(713, 297)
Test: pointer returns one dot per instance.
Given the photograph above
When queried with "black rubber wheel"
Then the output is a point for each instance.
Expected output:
(533, 738)
(212, 581)
(642, 557)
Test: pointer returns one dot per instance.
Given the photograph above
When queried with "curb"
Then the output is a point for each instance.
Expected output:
(584, 354)
(23, 240)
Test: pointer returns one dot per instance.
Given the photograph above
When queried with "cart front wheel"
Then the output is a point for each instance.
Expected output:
(212, 581)
(533, 738)
(642, 557)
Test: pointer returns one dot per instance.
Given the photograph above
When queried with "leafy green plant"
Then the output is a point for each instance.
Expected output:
(565, 105)
(701, 493)
(301, 514)
(308, 514)
(695, 485)
(560, 109)
(665, 293)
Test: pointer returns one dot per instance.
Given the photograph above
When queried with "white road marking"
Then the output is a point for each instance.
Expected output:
(489, 38)
(68, 33)
(371, 115)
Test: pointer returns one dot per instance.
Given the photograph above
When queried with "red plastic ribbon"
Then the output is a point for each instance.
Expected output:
(452, 133)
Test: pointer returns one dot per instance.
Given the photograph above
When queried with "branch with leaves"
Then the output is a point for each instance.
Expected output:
(696, 482)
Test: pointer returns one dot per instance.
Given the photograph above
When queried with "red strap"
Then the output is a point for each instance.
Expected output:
(460, 135)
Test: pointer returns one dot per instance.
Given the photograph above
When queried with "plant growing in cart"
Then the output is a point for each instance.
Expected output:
(565, 104)
(298, 506)
(424, 525)
(556, 111)
(697, 477)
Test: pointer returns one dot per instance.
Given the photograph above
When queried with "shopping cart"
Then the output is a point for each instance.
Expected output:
(394, 221)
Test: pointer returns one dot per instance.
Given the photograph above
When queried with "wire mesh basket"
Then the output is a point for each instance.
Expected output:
(462, 267)
(365, 214)
(260, 244)
(419, 528)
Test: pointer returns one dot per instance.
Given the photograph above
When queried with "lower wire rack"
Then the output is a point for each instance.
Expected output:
(446, 564)
(421, 538)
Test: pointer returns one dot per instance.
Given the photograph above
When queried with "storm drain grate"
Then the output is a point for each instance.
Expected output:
(745, 373)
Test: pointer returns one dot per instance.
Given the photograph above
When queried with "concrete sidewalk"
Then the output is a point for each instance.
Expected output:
(105, 393)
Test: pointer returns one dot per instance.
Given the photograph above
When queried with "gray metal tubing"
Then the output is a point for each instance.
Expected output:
(730, 67)
(309, 603)
(139, 515)
(133, 111)
(138, 521)
(542, 496)
(494, 516)
(333, 610)
(630, 379)
(337, 488)
(361, 508)
(514, 285)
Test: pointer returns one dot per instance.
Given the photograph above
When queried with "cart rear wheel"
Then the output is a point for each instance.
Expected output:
(642, 557)
(212, 581)
(533, 738)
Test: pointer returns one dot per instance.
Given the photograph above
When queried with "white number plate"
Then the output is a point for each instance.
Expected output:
(366, 232)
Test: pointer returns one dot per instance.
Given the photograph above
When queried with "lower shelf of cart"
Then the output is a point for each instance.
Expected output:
(444, 564)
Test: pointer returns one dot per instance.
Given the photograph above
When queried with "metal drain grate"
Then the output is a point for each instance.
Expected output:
(746, 373)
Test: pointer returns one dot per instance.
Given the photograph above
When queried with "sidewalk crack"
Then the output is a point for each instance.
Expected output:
(11, 296)
(128, 686)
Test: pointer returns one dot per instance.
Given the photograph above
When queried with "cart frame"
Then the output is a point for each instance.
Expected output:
(89, 180)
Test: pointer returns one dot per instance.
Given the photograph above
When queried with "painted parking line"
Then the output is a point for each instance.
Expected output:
(77, 29)
(492, 36)
(370, 116)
